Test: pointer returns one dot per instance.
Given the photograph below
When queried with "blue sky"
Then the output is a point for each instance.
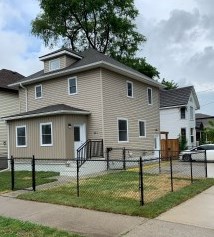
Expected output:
(180, 41)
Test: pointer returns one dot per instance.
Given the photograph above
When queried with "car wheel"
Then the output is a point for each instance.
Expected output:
(186, 157)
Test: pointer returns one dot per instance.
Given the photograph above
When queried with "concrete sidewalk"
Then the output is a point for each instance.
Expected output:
(194, 217)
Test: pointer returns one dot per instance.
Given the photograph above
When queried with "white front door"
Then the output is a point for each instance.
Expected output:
(156, 145)
(79, 136)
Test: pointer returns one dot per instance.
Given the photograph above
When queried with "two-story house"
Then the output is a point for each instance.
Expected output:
(177, 113)
(80, 96)
(9, 104)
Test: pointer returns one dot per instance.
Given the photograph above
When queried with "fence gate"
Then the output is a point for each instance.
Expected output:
(168, 148)
(22, 173)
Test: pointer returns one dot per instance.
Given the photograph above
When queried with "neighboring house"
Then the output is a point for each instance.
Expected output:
(177, 113)
(202, 122)
(9, 103)
(80, 96)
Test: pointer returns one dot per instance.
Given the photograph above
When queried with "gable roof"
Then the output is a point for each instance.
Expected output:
(48, 110)
(203, 116)
(91, 58)
(177, 97)
(7, 77)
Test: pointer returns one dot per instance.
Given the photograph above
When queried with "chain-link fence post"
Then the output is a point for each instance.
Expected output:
(33, 174)
(107, 157)
(12, 173)
(124, 158)
(141, 187)
(205, 163)
(191, 173)
(78, 184)
(171, 173)
(159, 161)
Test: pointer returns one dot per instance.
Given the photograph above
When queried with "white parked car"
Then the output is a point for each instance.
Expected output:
(198, 153)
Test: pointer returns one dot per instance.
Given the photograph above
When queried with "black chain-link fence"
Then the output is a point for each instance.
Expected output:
(126, 175)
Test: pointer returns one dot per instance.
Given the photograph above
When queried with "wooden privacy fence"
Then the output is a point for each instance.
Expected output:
(169, 148)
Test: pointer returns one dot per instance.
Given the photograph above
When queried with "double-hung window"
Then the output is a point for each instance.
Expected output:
(191, 113)
(129, 89)
(192, 135)
(122, 130)
(21, 140)
(183, 112)
(72, 86)
(142, 128)
(38, 91)
(46, 134)
(54, 64)
(149, 96)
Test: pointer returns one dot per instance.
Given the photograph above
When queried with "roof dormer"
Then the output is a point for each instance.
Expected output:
(59, 59)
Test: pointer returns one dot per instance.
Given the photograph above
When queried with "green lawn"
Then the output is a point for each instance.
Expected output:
(119, 193)
(15, 228)
(23, 179)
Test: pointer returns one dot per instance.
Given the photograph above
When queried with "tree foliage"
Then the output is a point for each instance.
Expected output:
(210, 131)
(107, 26)
(169, 84)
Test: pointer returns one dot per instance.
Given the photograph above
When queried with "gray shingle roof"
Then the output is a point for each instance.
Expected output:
(175, 97)
(89, 56)
(49, 109)
(7, 77)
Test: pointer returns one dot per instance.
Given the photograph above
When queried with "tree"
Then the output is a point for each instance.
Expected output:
(210, 131)
(107, 26)
(169, 84)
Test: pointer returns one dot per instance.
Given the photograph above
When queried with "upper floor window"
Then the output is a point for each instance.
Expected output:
(38, 91)
(191, 113)
(21, 136)
(54, 64)
(46, 136)
(72, 86)
(122, 130)
(142, 128)
(183, 112)
(149, 96)
(129, 89)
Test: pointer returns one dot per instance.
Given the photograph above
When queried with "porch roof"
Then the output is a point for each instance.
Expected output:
(48, 110)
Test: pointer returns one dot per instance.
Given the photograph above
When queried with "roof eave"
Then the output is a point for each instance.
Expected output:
(60, 112)
(103, 64)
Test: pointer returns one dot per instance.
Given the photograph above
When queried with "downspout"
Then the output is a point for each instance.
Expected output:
(26, 96)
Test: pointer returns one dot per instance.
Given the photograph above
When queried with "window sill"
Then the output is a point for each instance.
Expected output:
(46, 145)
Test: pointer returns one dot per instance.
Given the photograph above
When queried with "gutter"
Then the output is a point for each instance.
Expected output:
(26, 96)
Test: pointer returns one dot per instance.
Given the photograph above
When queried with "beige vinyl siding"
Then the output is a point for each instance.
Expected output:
(22, 100)
(33, 138)
(116, 105)
(63, 137)
(55, 91)
(9, 104)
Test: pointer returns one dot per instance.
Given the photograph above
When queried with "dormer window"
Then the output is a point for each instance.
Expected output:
(54, 64)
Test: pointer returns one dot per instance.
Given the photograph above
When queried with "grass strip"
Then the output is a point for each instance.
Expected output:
(118, 193)
(15, 228)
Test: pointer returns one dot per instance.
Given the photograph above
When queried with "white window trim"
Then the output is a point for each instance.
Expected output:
(41, 124)
(56, 59)
(127, 130)
(41, 91)
(149, 88)
(132, 89)
(141, 120)
(70, 78)
(21, 126)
